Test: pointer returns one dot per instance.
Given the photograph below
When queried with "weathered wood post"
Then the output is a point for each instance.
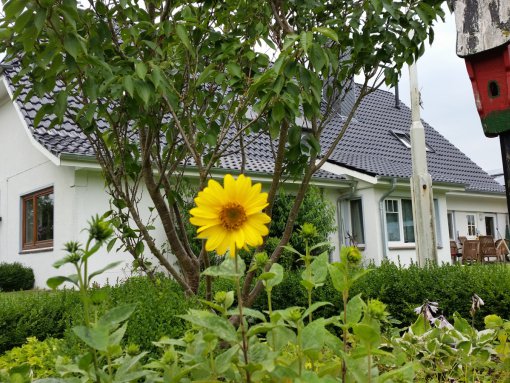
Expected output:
(483, 40)
(421, 182)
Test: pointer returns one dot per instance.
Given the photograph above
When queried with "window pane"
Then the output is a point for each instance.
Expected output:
(450, 226)
(29, 221)
(471, 224)
(357, 221)
(407, 217)
(45, 217)
(392, 225)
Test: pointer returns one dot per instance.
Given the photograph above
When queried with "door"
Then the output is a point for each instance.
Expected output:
(490, 224)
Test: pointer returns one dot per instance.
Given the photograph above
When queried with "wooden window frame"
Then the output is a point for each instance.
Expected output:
(48, 243)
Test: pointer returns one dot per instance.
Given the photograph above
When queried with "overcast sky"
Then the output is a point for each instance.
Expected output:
(448, 102)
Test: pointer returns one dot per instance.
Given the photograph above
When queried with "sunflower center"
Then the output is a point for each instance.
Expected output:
(232, 216)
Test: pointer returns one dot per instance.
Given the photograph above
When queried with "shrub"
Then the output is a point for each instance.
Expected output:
(39, 355)
(15, 277)
(40, 314)
(403, 289)
(44, 314)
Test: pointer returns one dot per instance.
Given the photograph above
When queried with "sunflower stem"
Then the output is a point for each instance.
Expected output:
(241, 318)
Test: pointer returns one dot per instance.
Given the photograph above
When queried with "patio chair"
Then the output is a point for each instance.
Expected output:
(502, 249)
(488, 248)
(470, 251)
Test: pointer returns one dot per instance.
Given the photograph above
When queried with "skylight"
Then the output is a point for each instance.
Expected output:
(405, 139)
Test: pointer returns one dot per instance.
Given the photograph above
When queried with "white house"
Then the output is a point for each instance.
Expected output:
(50, 185)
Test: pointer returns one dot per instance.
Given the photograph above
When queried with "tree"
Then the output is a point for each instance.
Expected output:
(167, 85)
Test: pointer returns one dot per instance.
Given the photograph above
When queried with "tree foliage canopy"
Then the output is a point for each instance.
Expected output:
(165, 85)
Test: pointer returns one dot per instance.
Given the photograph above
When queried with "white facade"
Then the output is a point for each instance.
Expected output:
(362, 203)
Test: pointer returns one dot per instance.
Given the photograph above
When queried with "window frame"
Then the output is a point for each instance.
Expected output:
(352, 203)
(400, 215)
(405, 139)
(35, 244)
(473, 225)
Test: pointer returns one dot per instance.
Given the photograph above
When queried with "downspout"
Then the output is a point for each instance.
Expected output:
(343, 197)
(383, 221)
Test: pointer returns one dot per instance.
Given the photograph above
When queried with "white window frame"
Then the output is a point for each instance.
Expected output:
(360, 243)
(473, 225)
(401, 241)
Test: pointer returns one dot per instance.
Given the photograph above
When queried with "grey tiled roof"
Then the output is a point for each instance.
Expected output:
(368, 145)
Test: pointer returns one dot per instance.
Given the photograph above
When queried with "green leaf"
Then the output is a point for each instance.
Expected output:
(72, 45)
(226, 269)
(107, 267)
(127, 82)
(110, 245)
(116, 337)
(144, 91)
(13, 8)
(223, 360)
(278, 112)
(141, 70)
(367, 334)
(183, 36)
(96, 338)
(234, 70)
(217, 325)
(306, 40)
(355, 309)
(420, 327)
(319, 268)
(206, 74)
(317, 57)
(337, 276)
(54, 282)
(277, 270)
(115, 316)
(328, 32)
(314, 307)
(249, 313)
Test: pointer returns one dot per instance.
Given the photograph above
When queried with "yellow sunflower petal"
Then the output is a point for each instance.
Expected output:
(253, 238)
(203, 212)
(215, 240)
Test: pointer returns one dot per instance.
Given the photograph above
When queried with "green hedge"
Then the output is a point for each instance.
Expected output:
(403, 289)
(44, 314)
(16, 277)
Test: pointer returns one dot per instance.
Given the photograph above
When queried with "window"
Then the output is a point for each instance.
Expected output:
(399, 220)
(451, 229)
(471, 224)
(357, 230)
(405, 139)
(37, 220)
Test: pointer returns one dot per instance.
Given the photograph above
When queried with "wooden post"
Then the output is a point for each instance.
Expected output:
(421, 182)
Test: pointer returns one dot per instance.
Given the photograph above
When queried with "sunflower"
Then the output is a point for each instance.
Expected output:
(231, 217)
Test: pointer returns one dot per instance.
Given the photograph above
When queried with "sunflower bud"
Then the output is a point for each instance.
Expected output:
(169, 356)
(99, 229)
(189, 336)
(376, 309)
(295, 314)
(72, 246)
(132, 349)
(353, 255)
(220, 297)
(308, 231)
(261, 259)
(72, 258)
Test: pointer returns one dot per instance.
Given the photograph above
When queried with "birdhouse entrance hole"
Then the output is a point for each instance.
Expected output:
(493, 89)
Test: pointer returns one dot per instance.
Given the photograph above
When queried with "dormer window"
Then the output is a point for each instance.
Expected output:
(405, 139)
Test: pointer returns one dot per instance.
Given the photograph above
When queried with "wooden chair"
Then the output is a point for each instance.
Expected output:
(470, 251)
(502, 249)
(488, 248)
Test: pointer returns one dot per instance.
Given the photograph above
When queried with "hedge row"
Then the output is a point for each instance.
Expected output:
(404, 289)
(52, 314)
(16, 277)
(46, 314)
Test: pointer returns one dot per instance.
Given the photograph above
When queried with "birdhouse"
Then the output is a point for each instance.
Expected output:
(483, 40)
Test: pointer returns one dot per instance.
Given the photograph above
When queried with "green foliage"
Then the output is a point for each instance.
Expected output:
(39, 314)
(189, 80)
(15, 277)
(40, 356)
(315, 210)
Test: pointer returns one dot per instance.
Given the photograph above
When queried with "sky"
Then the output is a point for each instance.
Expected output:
(448, 101)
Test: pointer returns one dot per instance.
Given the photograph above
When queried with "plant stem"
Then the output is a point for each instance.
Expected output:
(241, 318)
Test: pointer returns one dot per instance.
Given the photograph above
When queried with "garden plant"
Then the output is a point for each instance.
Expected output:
(229, 342)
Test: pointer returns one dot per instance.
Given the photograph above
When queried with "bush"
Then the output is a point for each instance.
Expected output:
(16, 277)
(44, 314)
(403, 289)
(39, 355)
